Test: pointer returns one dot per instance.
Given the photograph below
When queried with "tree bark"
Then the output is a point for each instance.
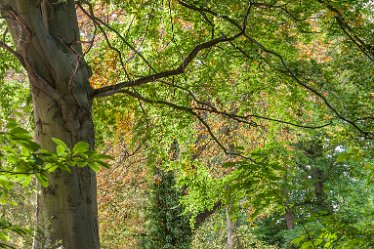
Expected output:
(290, 219)
(46, 37)
(314, 150)
(229, 230)
(67, 208)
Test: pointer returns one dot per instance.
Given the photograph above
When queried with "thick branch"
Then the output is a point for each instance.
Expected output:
(201, 217)
(110, 90)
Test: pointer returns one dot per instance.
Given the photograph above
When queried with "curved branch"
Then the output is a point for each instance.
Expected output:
(241, 119)
(97, 21)
(97, 25)
(283, 62)
(110, 90)
(193, 113)
(365, 48)
(311, 89)
(283, 8)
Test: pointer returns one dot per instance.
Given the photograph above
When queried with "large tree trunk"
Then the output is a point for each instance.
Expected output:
(67, 208)
(46, 36)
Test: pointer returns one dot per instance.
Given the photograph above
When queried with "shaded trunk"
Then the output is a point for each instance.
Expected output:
(317, 175)
(289, 215)
(229, 230)
(290, 219)
(67, 208)
(46, 36)
(314, 150)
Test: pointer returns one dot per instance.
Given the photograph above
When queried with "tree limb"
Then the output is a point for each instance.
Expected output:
(365, 48)
(190, 111)
(283, 62)
(110, 90)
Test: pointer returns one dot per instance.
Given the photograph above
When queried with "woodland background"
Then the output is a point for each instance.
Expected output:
(264, 141)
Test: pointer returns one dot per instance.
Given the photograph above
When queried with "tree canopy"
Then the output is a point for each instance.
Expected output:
(251, 117)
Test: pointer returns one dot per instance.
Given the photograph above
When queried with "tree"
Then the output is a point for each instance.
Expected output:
(167, 226)
(46, 38)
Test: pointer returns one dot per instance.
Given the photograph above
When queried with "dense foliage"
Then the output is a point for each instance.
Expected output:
(232, 124)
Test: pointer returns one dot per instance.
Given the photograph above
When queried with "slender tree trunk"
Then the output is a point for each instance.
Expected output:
(289, 215)
(290, 219)
(46, 36)
(230, 226)
(314, 150)
(229, 230)
(318, 178)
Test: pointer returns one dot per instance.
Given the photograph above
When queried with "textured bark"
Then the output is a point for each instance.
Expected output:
(46, 35)
(67, 209)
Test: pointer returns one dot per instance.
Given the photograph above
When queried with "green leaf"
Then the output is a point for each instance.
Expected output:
(8, 149)
(50, 167)
(12, 158)
(230, 164)
(20, 136)
(82, 164)
(11, 124)
(342, 157)
(103, 164)
(4, 181)
(18, 131)
(103, 157)
(31, 145)
(61, 143)
(64, 167)
(26, 181)
(80, 147)
(60, 150)
(42, 179)
(94, 166)
(25, 151)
